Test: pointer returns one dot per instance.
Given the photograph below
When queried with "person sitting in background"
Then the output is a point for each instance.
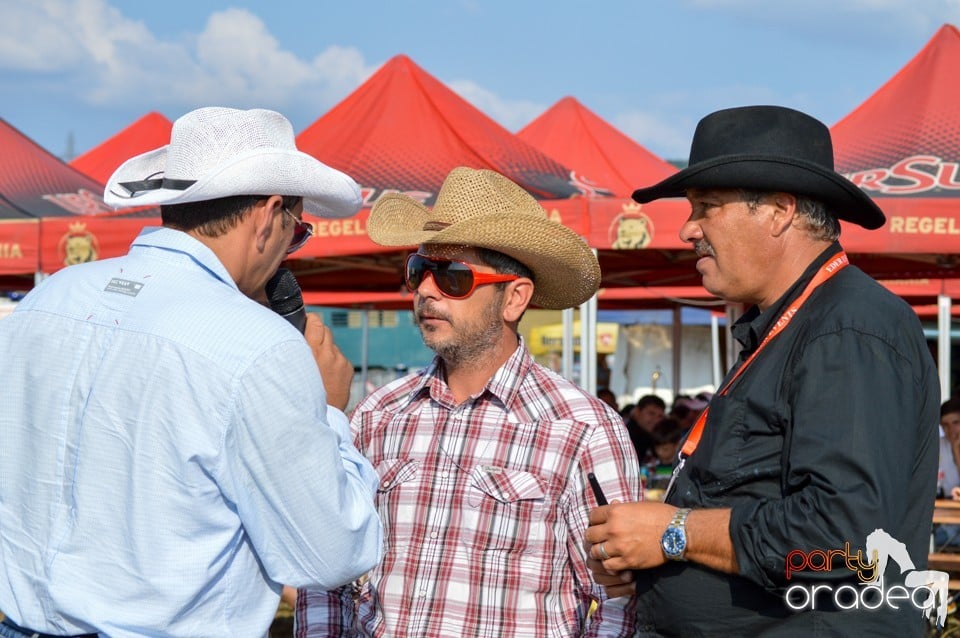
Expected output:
(607, 396)
(949, 475)
(686, 410)
(666, 435)
(948, 478)
(643, 416)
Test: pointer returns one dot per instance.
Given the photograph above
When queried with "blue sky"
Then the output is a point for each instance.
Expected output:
(652, 68)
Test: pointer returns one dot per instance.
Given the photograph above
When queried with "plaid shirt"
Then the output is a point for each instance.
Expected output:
(484, 506)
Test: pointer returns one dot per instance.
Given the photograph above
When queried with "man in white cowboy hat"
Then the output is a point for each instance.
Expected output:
(823, 431)
(168, 453)
(483, 457)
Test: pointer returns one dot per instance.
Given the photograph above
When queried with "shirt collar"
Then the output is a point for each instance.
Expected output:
(177, 241)
(750, 329)
(504, 384)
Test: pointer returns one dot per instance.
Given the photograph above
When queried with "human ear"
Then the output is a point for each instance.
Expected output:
(516, 298)
(784, 211)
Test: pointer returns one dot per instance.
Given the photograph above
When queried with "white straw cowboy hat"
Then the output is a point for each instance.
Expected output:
(484, 209)
(219, 152)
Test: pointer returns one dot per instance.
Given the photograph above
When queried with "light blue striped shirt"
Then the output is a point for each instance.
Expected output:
(167, 457)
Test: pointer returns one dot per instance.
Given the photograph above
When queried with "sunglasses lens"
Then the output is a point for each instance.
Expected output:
(455, 280)
(452, 278)
(301, 233)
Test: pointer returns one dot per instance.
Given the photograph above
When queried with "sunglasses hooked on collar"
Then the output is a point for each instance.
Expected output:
(302, 231)
(454, 279)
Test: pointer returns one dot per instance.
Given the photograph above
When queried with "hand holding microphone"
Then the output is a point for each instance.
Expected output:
(283, 293)
(336, 371)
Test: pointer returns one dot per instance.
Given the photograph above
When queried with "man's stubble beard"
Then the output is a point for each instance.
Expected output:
(465, 349)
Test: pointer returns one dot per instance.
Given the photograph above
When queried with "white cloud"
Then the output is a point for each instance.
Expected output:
(102, 57)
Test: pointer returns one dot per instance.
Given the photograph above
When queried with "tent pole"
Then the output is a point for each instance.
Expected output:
(715, 349)
(364, 349)
(943, 344)
(588, 345)
(676, 348)
(566, 356)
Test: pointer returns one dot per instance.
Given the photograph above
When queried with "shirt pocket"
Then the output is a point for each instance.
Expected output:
(739, 447)
(397, 491)
(505, 510)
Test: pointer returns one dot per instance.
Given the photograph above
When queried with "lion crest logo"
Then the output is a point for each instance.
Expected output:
(78, 245)
(631, 229)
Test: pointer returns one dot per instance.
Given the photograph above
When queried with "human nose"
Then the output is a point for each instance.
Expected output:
(691, 232)
(426, 289)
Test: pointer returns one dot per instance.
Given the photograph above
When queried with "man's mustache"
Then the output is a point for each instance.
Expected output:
(426, 308)
(704, 249)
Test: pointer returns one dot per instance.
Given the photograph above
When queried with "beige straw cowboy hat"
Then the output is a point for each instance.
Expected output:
(482, 208)
(219, 152)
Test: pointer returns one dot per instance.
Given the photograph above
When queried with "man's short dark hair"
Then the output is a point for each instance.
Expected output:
(949, 406)
(651, 399)
(214, 217)
(503, 264)
(667, 430)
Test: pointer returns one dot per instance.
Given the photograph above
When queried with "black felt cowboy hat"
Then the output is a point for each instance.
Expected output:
(768, 148)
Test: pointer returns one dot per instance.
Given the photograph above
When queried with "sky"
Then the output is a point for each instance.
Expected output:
(75, 72)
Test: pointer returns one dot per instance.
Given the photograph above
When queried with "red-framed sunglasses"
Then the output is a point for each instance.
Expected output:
(455, 279)
(302, 231)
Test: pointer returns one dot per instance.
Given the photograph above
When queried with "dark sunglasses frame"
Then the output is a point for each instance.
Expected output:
(444, 272)
(302, 231)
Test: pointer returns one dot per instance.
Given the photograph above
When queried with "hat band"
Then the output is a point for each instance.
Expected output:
(135, 188)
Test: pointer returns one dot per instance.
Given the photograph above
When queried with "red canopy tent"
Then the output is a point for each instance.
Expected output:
(902, 146)
(403, 131)
(605, 161)
(147, 133)
(51, 214)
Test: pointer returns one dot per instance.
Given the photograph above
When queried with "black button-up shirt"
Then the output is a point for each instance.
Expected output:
(828, 435)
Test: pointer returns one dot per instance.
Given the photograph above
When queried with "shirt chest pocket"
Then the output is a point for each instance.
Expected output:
(740, 446)
(397, 491)
(506, 510)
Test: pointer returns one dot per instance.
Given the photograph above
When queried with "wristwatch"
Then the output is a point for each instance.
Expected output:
(674, 539)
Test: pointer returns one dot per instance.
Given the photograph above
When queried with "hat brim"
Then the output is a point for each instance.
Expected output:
(326, 192)
(844, 198)
(565, 271)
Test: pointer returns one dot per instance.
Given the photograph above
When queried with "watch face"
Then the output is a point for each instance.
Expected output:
(674, 542)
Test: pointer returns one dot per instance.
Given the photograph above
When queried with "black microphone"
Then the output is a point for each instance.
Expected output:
(283, 293)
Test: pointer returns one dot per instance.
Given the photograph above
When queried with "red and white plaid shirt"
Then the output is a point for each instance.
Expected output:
(484, 506)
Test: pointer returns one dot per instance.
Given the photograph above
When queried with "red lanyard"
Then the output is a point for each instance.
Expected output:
(832, 267)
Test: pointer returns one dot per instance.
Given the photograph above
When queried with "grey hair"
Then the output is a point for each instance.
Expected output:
(821, 224)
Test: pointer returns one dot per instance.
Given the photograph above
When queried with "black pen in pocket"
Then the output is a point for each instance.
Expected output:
(597, 492)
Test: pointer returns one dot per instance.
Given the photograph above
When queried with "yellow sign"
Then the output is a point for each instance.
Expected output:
(549, 338)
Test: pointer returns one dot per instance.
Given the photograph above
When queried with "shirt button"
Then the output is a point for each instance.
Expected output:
(386, 483)
(433, 534)
(444, 474)
(423, 593)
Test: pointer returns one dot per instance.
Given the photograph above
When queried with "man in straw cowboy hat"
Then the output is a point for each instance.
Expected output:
(483, 457)
(823, 431)
(155, 412)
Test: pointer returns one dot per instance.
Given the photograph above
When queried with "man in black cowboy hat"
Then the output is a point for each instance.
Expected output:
(823, 431)
(483, 457)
